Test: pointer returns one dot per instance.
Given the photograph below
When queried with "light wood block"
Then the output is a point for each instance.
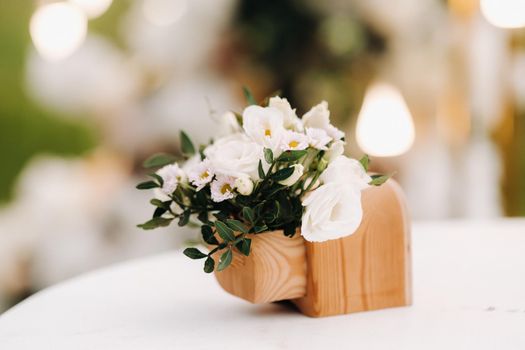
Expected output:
(274, 270)
(368, 270)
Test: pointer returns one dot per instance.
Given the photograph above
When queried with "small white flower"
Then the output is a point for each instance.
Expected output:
(290, 119)
(331, 211)
(296, 175)
(171, 175)
(201, 174)
(235, 155)
(294, 141)
(336, 149)
(318, 138)
(347, 171)
(244, 185)
(319, 117)
(222, 188)
(264, 125)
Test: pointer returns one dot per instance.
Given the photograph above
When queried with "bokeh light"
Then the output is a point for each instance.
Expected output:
(164, 12)
(504, 13)
(384, 126)
(57, 30)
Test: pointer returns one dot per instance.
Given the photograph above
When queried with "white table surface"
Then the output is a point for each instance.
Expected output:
(469, 293)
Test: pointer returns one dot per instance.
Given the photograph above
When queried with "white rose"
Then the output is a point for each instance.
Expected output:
(235, 155)
(319, 117)
(264, 125)
(171, 176)
(296, 175)
(336, 149)
(331, 211)
(290, 119)
(244, 185)
(348, 171)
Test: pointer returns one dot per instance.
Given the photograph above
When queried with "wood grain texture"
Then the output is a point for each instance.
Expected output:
(274, 270)
(368, 270)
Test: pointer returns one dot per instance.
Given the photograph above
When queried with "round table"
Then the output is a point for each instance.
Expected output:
(469, 293)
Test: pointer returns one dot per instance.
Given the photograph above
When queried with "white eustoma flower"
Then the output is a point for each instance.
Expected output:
(318, 138)
(222, 188)
(292, 140)
(348, 171)
(264, 125)
(319, 117)
(337, 148)
(201, 174)
(298, 171)
(290, 119)
(235, 155)
(244, 185)
(171, 175)
(331, 211)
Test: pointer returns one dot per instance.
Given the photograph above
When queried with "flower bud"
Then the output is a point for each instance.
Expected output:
(336, 149)
(297, 173)
(244, 185)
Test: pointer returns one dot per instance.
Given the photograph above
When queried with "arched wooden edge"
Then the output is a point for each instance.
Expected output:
(368, 270)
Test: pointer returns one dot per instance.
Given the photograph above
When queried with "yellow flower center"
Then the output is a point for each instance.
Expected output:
(226, 188)
(205, 174)
(267, 132)
(293, 144)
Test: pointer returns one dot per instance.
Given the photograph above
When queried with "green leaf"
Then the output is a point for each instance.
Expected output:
(194, 253)
(259, 229)
(225, 261)
(203, 217)
(186, 145)
(261, 170)
(365, 162)
(291, 156)
(236, 225)
(158, 178)
(184, 218)
(208, 235)
(248, 214)
(158, 203)
(268, 155)
(289, 229)
(159, 212)
(155, 222)
(283, 174)
(248, 96)
(209, 265)
(158, 160)
(224, 231)
(244, 246)
(147, 185)
(378, 180)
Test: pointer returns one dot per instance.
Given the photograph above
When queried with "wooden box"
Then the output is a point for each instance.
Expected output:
(368, 270)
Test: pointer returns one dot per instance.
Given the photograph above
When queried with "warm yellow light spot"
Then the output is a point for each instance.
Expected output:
(205, 174)
(384, 125)
(226, 188)
(293, 144)
(268, 132)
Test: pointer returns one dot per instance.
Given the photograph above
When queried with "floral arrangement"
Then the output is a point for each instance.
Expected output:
(274, 171)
